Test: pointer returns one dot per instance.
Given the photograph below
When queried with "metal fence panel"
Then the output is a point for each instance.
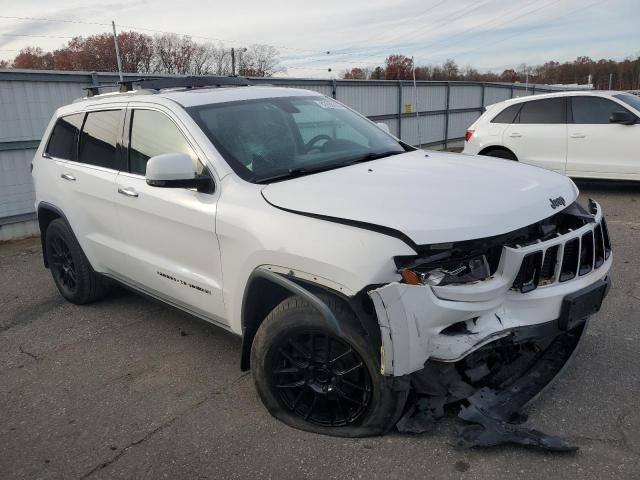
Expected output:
(431, 129)
(27, 107)
(430, 98)
(465, 96)
(496, 94)
(459, 122)
(369, 100)
(16, 186)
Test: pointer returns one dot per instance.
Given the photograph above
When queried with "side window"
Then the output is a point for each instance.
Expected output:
(153, 133)
(507, 115)
(99, 139)
(64, 137)
(593, 110)
(547, 111)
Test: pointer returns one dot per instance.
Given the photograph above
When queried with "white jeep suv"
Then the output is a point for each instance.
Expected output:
(591, 134)
(352, 265)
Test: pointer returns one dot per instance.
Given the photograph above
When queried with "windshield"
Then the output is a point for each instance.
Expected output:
(276, 138)
(629, 100)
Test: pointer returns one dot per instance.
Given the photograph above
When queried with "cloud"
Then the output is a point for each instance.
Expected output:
(483, 33)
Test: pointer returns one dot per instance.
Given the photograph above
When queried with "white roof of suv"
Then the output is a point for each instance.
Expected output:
(571, 93)
(195, 96)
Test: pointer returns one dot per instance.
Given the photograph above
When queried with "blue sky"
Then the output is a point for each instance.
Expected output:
(487, 34)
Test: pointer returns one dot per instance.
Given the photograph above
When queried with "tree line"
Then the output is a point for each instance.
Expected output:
(142, 53)
(624, 75)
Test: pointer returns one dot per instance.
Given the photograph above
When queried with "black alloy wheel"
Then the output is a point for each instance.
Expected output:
(62, 264)
(320, 379)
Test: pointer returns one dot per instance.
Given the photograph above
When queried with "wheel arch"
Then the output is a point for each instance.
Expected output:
(265, 290)
(47, 213)
(493, 148)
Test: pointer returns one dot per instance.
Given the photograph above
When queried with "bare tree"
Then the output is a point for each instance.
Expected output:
(173, 53)
(259, 61)
(221, 60)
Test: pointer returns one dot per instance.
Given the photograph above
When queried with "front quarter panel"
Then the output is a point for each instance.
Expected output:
(253, 233)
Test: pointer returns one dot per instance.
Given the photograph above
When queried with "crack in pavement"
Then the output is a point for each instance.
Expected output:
(161, 427)
(26, 352)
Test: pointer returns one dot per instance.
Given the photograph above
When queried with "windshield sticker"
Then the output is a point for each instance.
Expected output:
(329, 104)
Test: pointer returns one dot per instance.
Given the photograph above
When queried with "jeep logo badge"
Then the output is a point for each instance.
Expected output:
(556, 202)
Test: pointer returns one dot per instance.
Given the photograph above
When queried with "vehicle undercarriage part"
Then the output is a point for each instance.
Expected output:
(490, 387)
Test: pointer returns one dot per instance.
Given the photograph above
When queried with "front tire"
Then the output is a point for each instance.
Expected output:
(71, 271)
(312, 379)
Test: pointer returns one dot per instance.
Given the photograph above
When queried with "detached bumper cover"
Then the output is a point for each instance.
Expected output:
(414, 320)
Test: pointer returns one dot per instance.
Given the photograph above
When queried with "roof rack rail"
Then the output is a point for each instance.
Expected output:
(158, 83)
(183, 82)
(95, 89)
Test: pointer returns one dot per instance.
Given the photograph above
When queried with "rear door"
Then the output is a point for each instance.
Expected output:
(598, 148)
(538, 134)
(169, 243)
(88, 182)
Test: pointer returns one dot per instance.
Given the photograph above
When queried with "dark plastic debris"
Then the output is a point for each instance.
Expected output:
(491, 387)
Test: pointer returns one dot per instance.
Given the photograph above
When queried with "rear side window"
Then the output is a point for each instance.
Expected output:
(508, 115)
(99, 139)
(153, 133)
(64, 137)
(594, 110)
(547, 111)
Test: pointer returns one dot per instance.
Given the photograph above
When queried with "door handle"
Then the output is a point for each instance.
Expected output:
(68, 176)
(515, 135)
(127, 191)
(578, 135)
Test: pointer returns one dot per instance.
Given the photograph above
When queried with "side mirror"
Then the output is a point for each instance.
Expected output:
(175, 170)
(383, 126)
(622, 118)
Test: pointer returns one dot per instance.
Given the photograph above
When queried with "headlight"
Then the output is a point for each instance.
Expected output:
(462, 271)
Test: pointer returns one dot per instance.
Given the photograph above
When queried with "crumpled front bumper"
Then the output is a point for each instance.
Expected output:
(414, 319)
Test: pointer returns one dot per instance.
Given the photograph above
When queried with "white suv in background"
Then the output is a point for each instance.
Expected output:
(591, 134)
(355, 268)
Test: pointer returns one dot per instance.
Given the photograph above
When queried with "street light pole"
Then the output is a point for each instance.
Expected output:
(115, 41)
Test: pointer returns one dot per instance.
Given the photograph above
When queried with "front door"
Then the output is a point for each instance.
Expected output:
(598, 148)
(169, 243)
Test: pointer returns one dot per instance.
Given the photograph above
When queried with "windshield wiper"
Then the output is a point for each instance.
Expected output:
(370, 156)
(300, 171)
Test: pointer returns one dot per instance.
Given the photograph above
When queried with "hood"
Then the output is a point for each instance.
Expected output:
(432, 197)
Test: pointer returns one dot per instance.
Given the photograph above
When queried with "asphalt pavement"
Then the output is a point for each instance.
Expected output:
(130, 388)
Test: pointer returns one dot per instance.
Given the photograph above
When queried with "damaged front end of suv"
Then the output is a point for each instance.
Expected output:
(487, 324)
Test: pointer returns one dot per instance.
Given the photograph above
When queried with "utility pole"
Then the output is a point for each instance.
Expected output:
(115, 41)
(233, 62)
(610, 80)
(415, 91)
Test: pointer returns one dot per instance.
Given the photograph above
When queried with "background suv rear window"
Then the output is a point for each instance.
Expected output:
(64, 137)
(508, 114)
(99, 139)
(547, 111)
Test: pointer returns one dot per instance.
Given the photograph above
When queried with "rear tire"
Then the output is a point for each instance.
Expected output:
(501, 153)
(71, 271)
(313, 380)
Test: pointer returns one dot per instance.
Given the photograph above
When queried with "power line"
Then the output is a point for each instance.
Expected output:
(81, 22)
(467, 52)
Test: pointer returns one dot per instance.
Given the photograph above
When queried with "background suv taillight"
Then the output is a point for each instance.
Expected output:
(468, 135)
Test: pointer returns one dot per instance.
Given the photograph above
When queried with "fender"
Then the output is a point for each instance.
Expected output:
(45, 206)
(248, 331)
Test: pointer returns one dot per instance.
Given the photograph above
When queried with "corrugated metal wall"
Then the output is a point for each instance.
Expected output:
(28, 99)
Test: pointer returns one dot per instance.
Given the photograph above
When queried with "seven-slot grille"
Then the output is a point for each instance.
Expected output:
(566, 261)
